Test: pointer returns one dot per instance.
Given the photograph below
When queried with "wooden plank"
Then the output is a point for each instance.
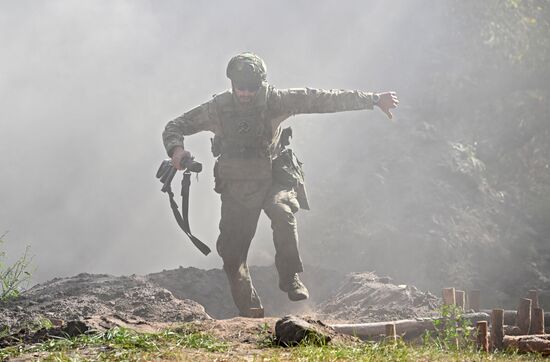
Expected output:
(497, 329)
(482, 337)
(537, 321)
(460, 299)
(533, 294)
(391, 334)
(449, 296)
(523, 318)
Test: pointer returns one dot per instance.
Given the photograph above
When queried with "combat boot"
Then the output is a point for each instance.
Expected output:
(294, 287)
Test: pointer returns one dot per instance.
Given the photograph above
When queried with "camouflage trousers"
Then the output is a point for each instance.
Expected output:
(242, 203)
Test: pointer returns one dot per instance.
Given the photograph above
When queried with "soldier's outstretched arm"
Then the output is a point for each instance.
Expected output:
(387, 101)
(201, 118)
(310, 100)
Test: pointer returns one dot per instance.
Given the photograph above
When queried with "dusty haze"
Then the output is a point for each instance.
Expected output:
(86, 89)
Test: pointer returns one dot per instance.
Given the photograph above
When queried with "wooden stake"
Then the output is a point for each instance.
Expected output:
(497, 329)
(391, 336)
(482, 337)
(256, 313)
(510, 317)
(537, 321)
(449, 296)
(533, 294)
(460, 299)
(523, 318)
(474, 300)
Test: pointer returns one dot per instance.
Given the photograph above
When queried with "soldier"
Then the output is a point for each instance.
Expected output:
(246, 123)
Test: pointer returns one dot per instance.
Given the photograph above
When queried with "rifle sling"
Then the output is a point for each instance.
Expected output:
(183, 218)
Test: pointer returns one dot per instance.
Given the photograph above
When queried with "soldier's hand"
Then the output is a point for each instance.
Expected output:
(178, 155)
(387, 101)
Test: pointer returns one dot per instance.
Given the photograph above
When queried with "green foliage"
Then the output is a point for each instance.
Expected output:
(15, 276)
(453, 332)
(121, 344)
(398, 352)
(266, 338)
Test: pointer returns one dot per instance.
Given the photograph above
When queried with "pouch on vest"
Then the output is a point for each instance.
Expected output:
(287, 171)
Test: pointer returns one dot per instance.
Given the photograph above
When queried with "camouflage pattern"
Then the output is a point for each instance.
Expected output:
(246, 68)
(247, 136)
(280, 105)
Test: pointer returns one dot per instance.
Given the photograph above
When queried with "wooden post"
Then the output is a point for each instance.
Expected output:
(391, 336)
(533, 294)
(537, 321)
(497, 329)
(449, 296)
(482, 337)
(256, 312)
(460, 299)
(474, 300)
(523, 318)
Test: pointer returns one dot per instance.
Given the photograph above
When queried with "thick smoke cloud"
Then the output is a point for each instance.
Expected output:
(87, 87)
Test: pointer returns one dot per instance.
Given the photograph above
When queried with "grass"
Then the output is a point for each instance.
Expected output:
(398, 352)
(186, 343)
(119, 344)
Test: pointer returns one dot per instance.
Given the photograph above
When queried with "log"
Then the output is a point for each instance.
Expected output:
(509, 315)
(449, 296)
(497, 329)
(539, 343)
(404, 327)
(482, 337)
(474, 300)
(407, 328)
(537, 321)
(476, 317)
(523, 318)
(391, 335)
(512, 330)
(460, 299)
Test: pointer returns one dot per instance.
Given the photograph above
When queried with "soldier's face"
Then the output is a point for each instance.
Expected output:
(245, 93)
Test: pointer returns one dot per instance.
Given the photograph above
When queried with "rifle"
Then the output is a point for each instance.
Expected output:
(165, 174)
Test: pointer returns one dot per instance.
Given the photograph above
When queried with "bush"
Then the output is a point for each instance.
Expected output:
(13, 277)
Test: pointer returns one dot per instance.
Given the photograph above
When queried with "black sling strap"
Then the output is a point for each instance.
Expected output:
(165, 175)
(183, 218)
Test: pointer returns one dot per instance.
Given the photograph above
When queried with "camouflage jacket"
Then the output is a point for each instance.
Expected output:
(276, 104)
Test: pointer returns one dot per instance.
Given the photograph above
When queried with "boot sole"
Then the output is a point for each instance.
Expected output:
(296, 298)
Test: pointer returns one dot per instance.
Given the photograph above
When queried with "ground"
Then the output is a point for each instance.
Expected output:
(155, 317)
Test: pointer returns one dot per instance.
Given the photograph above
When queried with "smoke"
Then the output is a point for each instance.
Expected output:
(87, 87)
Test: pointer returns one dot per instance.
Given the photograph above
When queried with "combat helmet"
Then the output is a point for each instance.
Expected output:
(246, 68)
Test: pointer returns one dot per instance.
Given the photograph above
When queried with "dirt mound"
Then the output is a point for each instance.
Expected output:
(190, 294)
(365, 297)
(107, 299)
(210, 289)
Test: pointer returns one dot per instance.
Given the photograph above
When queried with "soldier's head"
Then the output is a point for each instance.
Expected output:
(247, 72)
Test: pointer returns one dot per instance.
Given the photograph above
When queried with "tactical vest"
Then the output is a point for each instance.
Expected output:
(243, 145)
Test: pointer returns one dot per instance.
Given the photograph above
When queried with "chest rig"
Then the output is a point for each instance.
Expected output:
(244, 143)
